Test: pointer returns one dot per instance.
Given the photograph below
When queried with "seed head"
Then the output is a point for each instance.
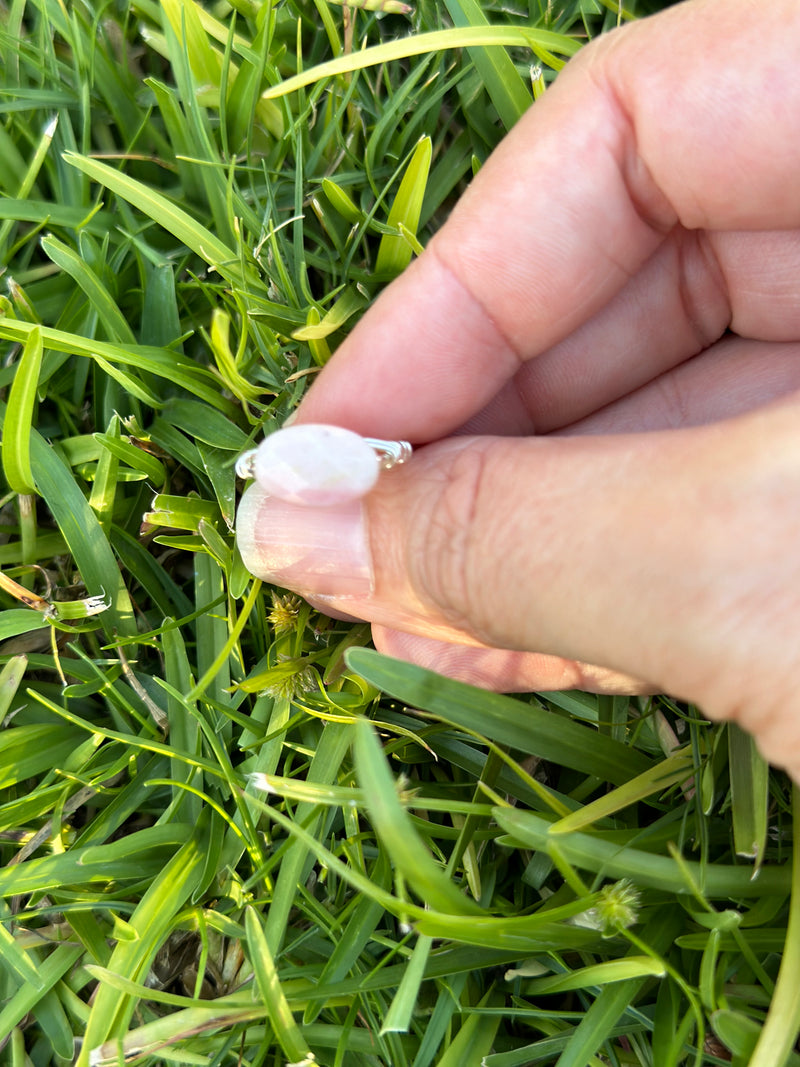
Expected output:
(285, 612)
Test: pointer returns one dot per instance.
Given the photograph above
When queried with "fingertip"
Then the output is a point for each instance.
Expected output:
(502, 670)
(422, 360)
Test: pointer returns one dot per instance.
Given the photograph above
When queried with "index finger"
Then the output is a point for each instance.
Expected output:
(668, 122)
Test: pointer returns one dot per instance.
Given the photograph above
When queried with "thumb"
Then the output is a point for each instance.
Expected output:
(666, 556)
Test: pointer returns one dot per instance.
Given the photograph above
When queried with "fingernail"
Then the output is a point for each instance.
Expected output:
(318, 551)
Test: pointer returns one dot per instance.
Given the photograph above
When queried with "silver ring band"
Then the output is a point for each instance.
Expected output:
(390, 453)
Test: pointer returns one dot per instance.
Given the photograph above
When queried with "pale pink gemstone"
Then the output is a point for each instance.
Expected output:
(318, 466)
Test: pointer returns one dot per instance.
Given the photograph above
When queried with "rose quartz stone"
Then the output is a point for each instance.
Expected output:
(318, 466)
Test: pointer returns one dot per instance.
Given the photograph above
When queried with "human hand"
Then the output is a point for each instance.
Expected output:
(613, 478)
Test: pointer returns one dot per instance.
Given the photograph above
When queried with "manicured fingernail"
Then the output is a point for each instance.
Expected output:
(322, 551)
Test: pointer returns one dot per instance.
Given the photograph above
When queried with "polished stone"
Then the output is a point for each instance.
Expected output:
(314, 465)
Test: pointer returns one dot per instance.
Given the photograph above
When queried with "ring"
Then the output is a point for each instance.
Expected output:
(319, 465)
(390, 454)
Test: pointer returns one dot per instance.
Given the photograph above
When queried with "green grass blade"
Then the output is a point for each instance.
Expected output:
(438, 1026)
(56, 1027)
(19, 416)
(474, 1040)
(151, 921)
(136, 458)
(502, 81)
(184, 729)
(324, 768)
(348, 304)
(524, 727)
(16, 963)
(398, 1017)
(749, 774)
(608, 858)
(394, 253)
(28, 750)
(779, 1034)
(280, 1015)
(160, 361)
(29, 179)
(610, 1005)
(359, 930)
(84, 536)
(676, 768)
(423, 43)
(134, 857)
(205, 61)
(16, 621)
(410, 857)
(25, 1000)
(100, 300)
(104, 487)
(10, 678)
(598, 974)
(168, 215)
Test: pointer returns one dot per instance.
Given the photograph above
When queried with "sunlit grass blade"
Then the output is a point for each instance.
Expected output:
(348, 304)
(19, 416)
(29, 179)
(162, 362)
(394, 253)
(599, 974)
(184, 19)
(410, 857)
(153, 918)
(10, 679)
(139, 855)
(286, 1029)
(420, 44)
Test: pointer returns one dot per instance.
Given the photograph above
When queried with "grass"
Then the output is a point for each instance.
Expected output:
(230, 833)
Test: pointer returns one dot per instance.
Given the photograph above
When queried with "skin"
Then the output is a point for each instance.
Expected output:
(600, 351)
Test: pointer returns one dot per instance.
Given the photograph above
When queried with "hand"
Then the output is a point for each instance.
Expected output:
(601, 350)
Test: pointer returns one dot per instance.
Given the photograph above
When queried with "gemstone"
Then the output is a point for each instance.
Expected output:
(314, 465)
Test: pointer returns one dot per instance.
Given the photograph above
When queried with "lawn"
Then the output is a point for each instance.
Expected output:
(232, 833)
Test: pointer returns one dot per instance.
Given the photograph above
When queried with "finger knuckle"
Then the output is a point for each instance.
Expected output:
(448, 538)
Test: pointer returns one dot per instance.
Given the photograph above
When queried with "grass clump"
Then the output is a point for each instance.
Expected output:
(230, 833)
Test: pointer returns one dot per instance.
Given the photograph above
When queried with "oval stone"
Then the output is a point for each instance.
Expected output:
(315, 465)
